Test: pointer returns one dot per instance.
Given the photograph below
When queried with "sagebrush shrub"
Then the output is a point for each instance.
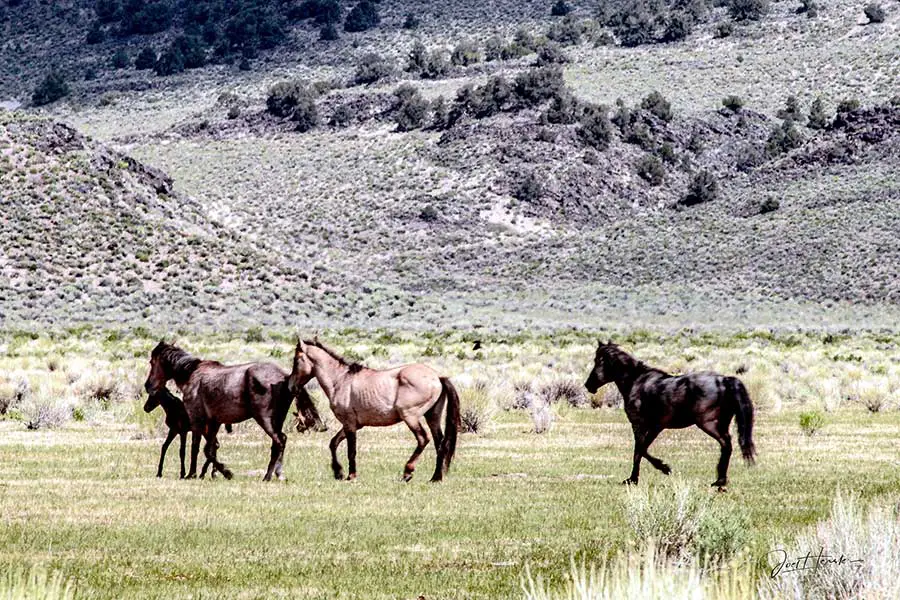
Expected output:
(371, 68)
(748, 10)
(703, 188)
(811, 421)
(294, 100)
(656, 104)
(874, 13)
(363, 16)
(50, 89)
(596, 130)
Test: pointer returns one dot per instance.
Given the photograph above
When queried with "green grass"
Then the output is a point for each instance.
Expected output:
(84, 501)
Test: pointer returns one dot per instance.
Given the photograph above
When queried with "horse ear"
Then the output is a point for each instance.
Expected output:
(599, 343)
(301, 346)
(316, 337)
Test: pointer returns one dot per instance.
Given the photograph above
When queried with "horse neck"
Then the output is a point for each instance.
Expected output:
(630, 373)
(328, 371)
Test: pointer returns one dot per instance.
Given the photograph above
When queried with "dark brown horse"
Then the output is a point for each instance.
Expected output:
(361, 397)
(655, 400)
(179, 425)
(215, 394)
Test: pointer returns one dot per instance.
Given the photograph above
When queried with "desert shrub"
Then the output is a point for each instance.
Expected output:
(817, 118)
(528, 188)
(703, 188)
(564, 109)
(685, 524)
(651, 170)
(811, 421)
(476, 408)
(146, 59)
(567, 32)
(294, 100)
(417, 58)
(464, 54)
(748, 10)
(411, 21)
(120, 59)
(108, 11)
(429, 213)
(535, 86)
(551, 54)
(412, 112)
(439, 113)
(656, 104)
(636, 28)
(523, 44)
(436, 65)
(329, 33)
(50, 89)
(560, 8)
(783, 138)
(769, 205)
(44, 412)
(678, 26)
(493, 48)
(570, 392)
(371, 68)
(844, 107)
(141, 17)
(542, 416)
(724, 29)
(607, 397)
(363, 16)
(95, 34)
(595, 129)
(171, 61)
(733, 103)
(874, 13)
(324, 12)
(791, 110)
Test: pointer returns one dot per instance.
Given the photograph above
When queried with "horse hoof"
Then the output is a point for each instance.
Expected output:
(666, 470)
(191, 476)
(406, 477)
(722, 489)
(719, 483)
(630, 481)
(227, 474)
(351, 477)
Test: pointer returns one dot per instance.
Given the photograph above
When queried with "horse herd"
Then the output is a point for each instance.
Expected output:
(214, 395)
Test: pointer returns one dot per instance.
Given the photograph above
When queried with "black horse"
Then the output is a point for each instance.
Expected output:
(655, 400)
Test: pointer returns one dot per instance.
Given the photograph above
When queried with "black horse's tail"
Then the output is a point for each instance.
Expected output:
(451, 424)
(308, 415)
(744, 413)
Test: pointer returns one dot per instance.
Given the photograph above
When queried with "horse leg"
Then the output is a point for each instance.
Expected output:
(278, 465)
(642, 439)
(196, 433)
(336, 467)
(212, 446)
(433, 418)
(209, 450)
(719, 432)
(183, 435)
(421, 441)
(165, 448)
(351, 454)
(278, 441)
(657, 463)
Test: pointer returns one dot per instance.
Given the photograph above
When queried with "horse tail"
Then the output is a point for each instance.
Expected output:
(744, 413)
(306, 411)
(451, 424)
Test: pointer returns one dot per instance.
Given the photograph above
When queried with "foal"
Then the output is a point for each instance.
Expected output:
(655, 400)
(179, 424)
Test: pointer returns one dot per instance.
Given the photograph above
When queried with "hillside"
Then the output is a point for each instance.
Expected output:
(504, 217)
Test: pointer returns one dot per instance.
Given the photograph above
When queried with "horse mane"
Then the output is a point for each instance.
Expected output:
(627, 362)
(180, 363)
(353, 367)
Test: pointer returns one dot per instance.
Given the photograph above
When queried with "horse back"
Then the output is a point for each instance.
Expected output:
(680, 400)
(226, 393)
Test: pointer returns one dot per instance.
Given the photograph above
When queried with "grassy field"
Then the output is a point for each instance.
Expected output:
(81, 499)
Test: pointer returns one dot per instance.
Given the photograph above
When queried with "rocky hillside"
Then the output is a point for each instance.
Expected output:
(494, 165)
